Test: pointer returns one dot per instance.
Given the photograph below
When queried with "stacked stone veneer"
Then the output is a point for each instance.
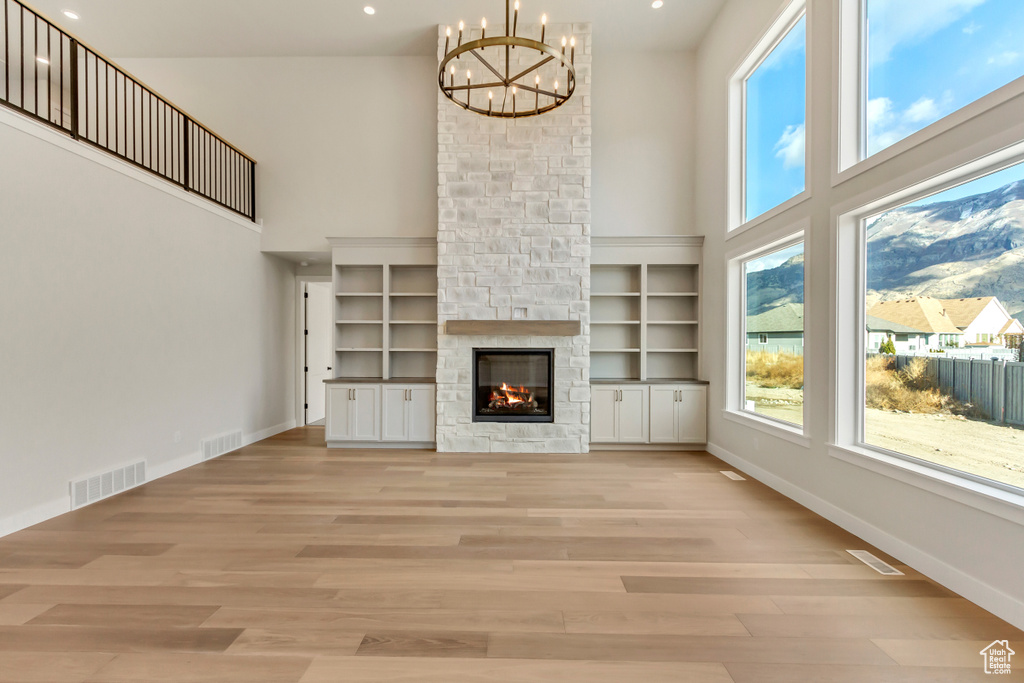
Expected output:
(514, 232)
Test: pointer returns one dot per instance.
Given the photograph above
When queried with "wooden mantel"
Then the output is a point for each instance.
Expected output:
(514, 328)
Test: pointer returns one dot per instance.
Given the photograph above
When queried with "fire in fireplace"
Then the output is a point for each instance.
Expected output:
(513, 385)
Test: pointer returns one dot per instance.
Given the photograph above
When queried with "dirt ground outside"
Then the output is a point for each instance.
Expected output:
(985, 449)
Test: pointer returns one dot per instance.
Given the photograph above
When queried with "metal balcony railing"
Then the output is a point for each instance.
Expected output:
(51, 77)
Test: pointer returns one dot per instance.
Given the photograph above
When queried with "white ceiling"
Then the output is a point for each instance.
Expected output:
(273, 28)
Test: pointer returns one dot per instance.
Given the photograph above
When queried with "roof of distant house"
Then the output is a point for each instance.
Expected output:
(920, 313)
(1013, 326)
(784, 318)
(880, 325)
(963, 312)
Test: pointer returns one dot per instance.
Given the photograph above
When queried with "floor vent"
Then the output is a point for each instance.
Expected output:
(219, 445)
(875, 563)
(733, 475)
(85, 491)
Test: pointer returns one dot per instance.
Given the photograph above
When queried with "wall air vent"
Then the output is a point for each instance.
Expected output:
(875, 563)
(219, 445)
(106, 484)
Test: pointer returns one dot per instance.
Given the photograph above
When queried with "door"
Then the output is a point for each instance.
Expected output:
(365, 413)
(395, 417)
(692, 413)
(603, 401)
(633, 415)
(339, 418)
(664, 399)
(317, 361)
(422, 418)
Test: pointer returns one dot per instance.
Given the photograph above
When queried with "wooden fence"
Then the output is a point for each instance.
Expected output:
(994, 387)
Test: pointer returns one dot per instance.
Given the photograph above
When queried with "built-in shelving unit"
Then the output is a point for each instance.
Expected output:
(645, 309)
(385, 311)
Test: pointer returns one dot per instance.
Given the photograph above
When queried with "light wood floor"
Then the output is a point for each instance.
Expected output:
(287, 562)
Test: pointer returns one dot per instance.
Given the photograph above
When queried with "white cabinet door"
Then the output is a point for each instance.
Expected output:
(664, 404)
(365, 414)
(422, 407)
(339, 418)
(692, 414)
(409, 412)
(633, 420)
(395, 418)
(603, 420)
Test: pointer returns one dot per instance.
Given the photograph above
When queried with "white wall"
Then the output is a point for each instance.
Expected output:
(643, 143)
(344, 146)
(347, 146)
(974, 552)
(128, 314)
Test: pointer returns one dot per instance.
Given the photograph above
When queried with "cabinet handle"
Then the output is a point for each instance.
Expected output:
(351, 394)
(408, 396)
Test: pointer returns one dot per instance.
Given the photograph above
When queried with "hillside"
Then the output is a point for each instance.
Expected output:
(968, 247)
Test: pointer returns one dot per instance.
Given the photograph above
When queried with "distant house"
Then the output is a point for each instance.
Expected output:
(924, 315)
(904, 338)
(780, 329)
(983, 320)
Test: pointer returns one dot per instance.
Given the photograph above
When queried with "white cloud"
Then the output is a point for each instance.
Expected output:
(899, 22)
(888, 125)
(790, 147)
(972, 28)
(923, 111)
(1006, 58)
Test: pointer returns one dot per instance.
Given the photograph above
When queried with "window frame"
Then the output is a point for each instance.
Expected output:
(779, 28)
(849, 342)
(736, 330)
(849, 76)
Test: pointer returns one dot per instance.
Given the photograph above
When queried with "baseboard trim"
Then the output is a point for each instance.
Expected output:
(992, 599)
(35, 515)
(55, 508)
(268, 432)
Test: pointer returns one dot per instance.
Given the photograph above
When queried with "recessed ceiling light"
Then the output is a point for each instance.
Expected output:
(657, 4)
(369, 10)
(71, 15)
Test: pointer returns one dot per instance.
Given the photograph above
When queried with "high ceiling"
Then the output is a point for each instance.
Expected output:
(274, 28)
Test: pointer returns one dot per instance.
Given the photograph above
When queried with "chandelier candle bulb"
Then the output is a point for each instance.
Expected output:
(572, 43)
(543, 26)
(564, 43)
(490, 101)
(483, 28)
(462, 25)
(515, 19)
(447, 38)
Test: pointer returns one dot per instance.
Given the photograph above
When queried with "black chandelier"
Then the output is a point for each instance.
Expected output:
(519, 95)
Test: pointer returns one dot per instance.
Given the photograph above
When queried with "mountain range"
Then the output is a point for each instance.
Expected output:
(967, 247)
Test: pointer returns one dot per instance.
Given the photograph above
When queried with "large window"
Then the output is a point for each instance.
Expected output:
(944, 297)
(775, 96)
(925, 59)
(773, 377)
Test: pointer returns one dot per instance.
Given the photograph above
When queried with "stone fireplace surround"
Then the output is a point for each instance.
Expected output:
(514, 235)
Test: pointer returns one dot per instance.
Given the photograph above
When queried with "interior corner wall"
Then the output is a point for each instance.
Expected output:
(973, 552)
(644, 137)
(129, 316)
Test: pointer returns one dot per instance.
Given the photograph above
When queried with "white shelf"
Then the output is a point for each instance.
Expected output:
(645, 316)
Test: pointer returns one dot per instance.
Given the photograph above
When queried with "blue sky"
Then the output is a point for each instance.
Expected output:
(928, 58)
(775, 117)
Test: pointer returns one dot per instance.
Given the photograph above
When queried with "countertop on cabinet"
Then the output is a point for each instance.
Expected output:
(378, 380)
(649, 381)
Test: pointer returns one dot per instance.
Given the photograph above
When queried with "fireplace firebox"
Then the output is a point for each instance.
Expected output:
(513, 385)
